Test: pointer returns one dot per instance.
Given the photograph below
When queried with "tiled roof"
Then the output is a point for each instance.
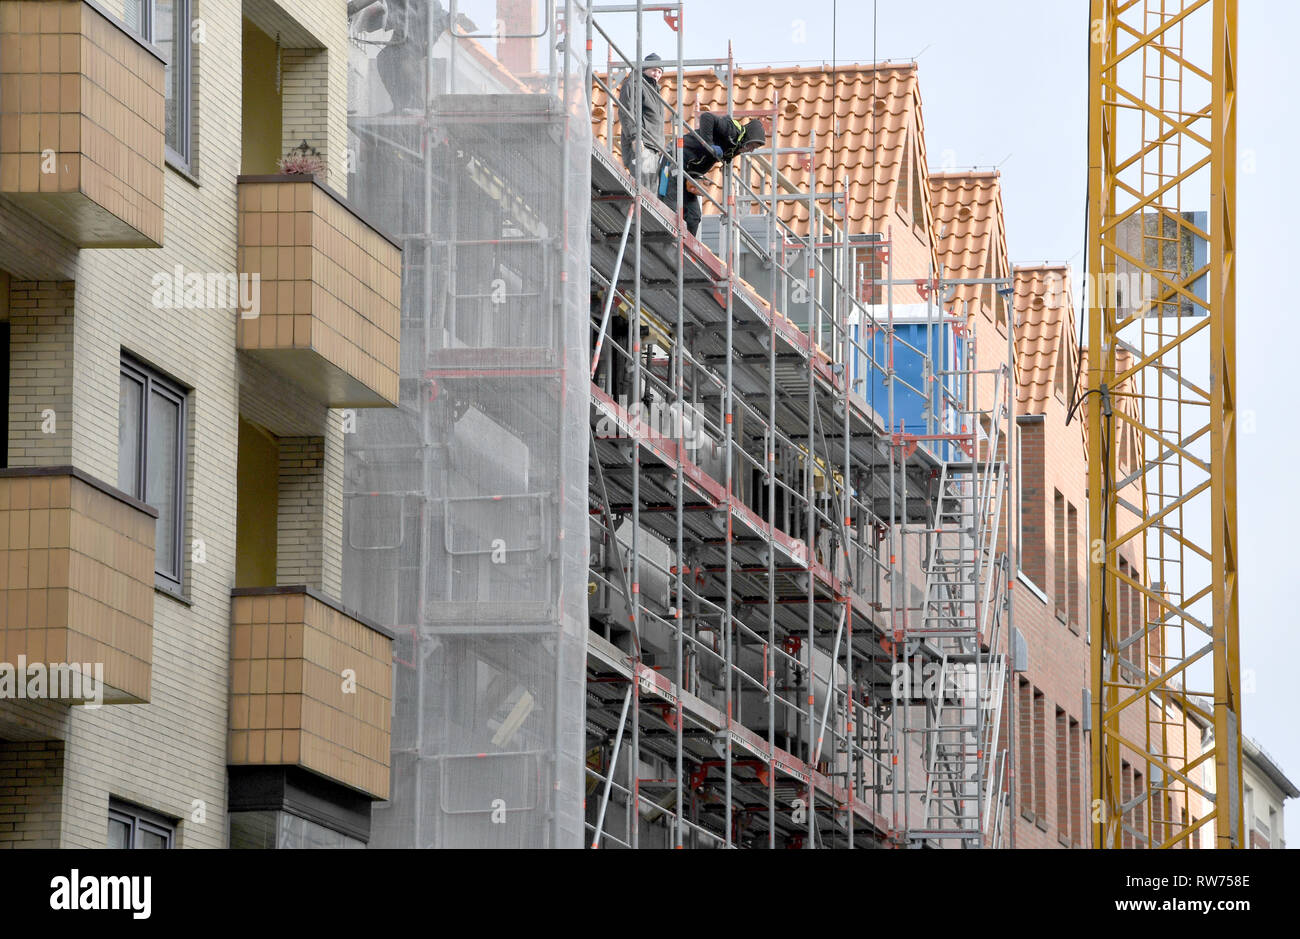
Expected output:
(1044, 309)
(970, 232)
(848, 111)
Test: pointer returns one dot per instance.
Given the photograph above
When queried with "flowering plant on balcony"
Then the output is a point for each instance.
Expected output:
(302, 160)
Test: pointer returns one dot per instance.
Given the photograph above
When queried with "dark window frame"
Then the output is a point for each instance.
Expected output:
(4, 395)
(146, 19)
(182, 63)
(1060, 558)
(138, 819)
(152, 380)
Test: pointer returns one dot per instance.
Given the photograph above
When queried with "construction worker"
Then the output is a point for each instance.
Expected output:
(644, 165)
(717, 139)
(403, 60)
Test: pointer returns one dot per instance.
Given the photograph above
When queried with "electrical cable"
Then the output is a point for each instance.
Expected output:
(1083, 301)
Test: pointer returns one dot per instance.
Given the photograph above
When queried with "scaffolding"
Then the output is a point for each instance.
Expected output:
(761, 668)
(793, 607)
(457, 504)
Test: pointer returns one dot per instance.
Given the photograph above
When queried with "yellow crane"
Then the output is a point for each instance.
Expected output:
(1161, 423)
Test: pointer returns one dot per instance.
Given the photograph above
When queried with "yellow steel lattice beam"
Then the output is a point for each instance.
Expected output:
(1162, 142)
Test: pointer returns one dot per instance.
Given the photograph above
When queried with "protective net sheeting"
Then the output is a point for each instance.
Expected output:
(466, 508)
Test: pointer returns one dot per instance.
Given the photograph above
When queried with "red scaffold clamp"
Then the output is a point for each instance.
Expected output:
(925, 287)
(906, 441)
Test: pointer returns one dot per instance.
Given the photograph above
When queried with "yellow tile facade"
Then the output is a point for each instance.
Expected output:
(330, 302)
(81, 123)
(310, 687)
(77, 578)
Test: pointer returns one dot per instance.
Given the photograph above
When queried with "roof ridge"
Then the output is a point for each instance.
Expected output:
(995, 174)
(839, 69)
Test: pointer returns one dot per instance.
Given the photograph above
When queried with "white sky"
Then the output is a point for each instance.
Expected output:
(1004, 83)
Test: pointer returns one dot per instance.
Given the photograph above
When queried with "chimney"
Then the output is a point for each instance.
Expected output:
(517, 18)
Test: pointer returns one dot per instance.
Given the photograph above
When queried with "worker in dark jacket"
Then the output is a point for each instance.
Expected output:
(717, 139)
(403, 60)
(652, 122)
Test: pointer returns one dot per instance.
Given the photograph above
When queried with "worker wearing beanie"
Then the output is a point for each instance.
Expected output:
(652, 121)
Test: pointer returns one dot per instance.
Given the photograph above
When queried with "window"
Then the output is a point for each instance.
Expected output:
(1059, 556)
(1139, 810)
(1125, 794)
(918, 197)
(1040, 759)
(1025, 764)
(1137, 616)
(266, 830)
(4, 393)
(1072, 563)
(904, 198)
(151, 458)
(130, 826)
(1062, 778)
(1065, 384)
(171, 34)
(139, 17)
(1032, 506)
(1122, 618)
(1076, 783)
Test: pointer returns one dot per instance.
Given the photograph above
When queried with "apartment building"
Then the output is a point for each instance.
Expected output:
(1046, 505)
(185, 334)
(1265, 790)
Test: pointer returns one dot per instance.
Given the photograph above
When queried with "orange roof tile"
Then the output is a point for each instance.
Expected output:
(970, 232)
(854, 111)
(1044, 308)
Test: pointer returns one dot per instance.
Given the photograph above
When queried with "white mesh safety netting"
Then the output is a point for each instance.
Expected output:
(465, 517)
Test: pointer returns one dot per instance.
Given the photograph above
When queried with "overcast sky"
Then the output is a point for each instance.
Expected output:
(1004, 83)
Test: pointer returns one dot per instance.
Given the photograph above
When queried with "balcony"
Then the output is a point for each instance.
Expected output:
(77, 584)
(327, 313)
(311, 686)
(81, 123)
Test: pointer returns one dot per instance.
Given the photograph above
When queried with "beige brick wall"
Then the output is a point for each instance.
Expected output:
(304, 88)
(40, 373)
(300, 525)
(169, 755)
(31, 793)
